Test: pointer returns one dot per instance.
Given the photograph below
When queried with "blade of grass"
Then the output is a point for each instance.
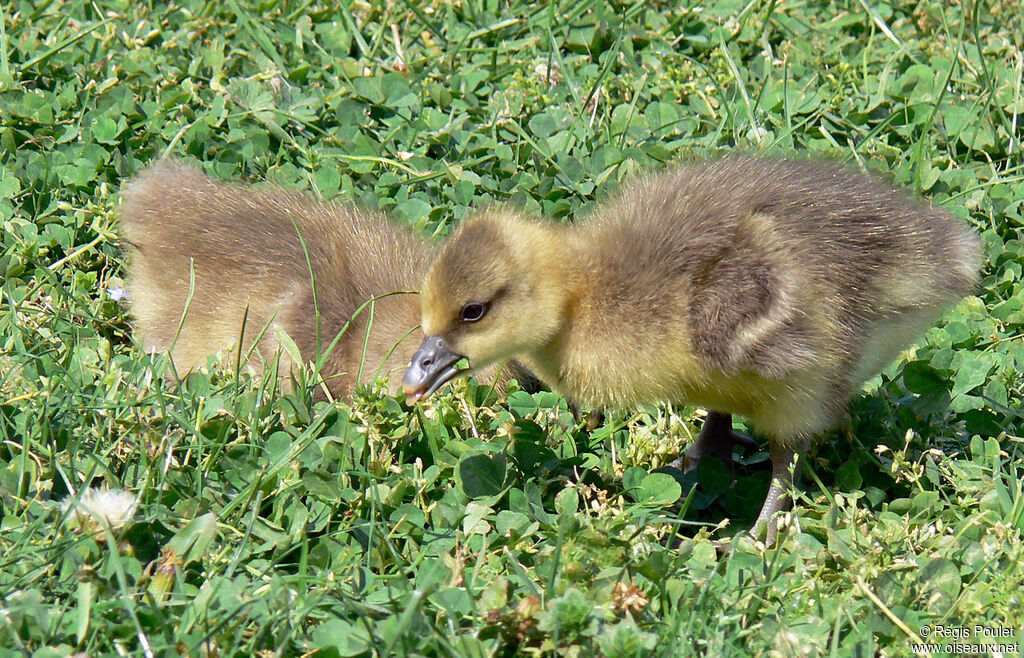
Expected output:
(69, 41)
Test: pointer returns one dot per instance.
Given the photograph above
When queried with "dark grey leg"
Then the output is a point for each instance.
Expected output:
(594, 418)
(716, 439)
(778, 499)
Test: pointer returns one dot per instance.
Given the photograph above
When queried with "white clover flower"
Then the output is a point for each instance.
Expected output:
(112, 508)
(117, 293)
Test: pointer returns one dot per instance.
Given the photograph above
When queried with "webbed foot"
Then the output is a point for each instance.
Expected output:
(716, 439)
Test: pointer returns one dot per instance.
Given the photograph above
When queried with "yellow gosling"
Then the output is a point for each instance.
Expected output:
(763, 287)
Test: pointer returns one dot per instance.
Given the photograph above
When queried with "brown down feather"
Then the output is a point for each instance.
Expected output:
(242, 243)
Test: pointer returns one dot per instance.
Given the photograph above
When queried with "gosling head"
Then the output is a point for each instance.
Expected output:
(494, 292)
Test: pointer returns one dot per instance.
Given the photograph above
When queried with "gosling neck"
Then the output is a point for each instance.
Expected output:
(559, 274)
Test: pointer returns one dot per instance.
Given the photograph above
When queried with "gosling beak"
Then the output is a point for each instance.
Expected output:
(432, 367)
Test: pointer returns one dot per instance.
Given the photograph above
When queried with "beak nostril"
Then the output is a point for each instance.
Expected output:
(431, 367)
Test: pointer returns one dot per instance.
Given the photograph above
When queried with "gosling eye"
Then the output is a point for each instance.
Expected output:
(474, 311)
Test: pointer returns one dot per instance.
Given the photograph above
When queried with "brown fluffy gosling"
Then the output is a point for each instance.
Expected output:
(240, 246)
(762, 287)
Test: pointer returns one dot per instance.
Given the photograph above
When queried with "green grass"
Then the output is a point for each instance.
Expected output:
(275, 524)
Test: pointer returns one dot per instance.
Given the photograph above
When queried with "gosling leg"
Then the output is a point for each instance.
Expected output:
(594, 418)
(778, 499)
(716, 439)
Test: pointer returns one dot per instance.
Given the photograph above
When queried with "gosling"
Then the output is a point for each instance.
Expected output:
(767, 288)
(216, 267)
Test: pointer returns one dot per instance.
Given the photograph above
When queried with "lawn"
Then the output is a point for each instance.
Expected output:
(270, 523)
